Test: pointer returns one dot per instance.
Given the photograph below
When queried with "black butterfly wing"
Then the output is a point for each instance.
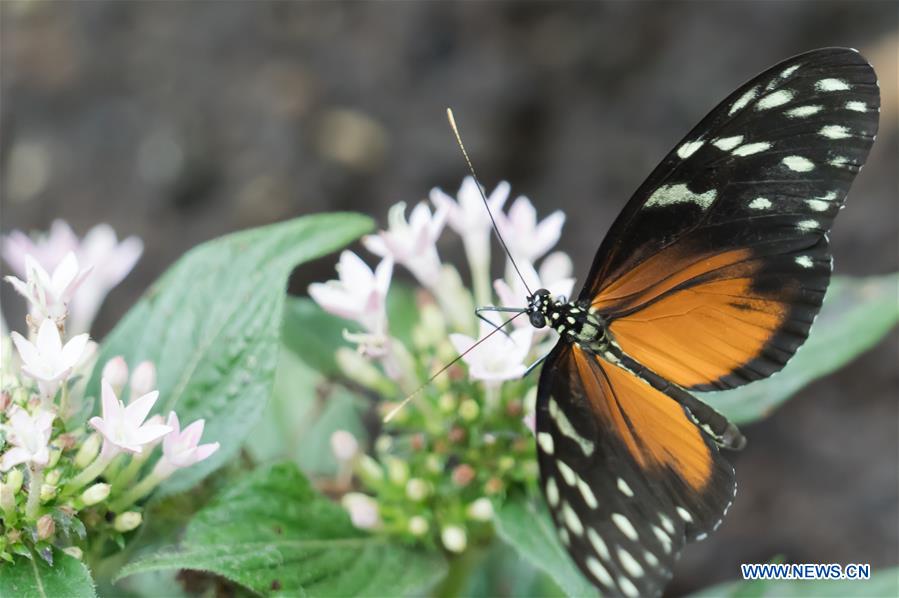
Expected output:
(627, 475)
(713, 273)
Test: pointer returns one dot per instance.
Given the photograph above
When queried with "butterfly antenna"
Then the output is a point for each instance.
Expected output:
(452, 122)
(411, 396)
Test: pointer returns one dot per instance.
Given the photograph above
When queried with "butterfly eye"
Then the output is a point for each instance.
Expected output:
(537, 319)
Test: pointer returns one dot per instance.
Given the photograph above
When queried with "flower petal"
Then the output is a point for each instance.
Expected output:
(48, 341)
(112, 408)
(137, 410)
(72, 351)
(27, 351)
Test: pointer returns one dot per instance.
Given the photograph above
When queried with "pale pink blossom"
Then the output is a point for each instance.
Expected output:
(468, 216)
(363, 510)
(116, 373)
(29, 436)
(499, 358)
(344, 445)
(48, 294)
(48, 361)
(100, 249)
(143, 379)
(182, 448)
(359, 294)
(527, 238)
(412, 244)
(124, 428)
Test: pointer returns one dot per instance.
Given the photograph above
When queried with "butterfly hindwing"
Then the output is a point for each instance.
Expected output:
(627, 474)
(713, 273)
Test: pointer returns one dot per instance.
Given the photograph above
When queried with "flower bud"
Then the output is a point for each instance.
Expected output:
(494, 486)
(94, 494)
(363, 510)
(52, 477)
(46, 527)
(383, 444)
(369, 471)
(48, 492)
(14, 480)
(434, 464)
(447, 403)
(463, 475)
(360, 370)
(143, 379)
(480, 510)
(506, 463)
(418, 526)
(397, 470)
(55, 454)
(417, 489)
(7, 498)
(74, 552)
(116, 373)
(127, 521)
(454, 538)
(344, 445)
(469, 410)
(88, 451)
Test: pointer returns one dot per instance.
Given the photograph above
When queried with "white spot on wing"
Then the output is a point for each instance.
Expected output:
(624, 524)
(628, 588)
(565, 426)
(798, 163)
(545, 440)
(788, 71)
(598, 544)
(760, 203)
(772, 100)
(807, 225)
(563, 535)
(856, 106)
(571, 520)
(667, 195)
(552, 492)
(817, 205)
(834, 132)
(728, 143)
(839, 161)
(587, 493)
(624, 488)
(663, 538)
(684, 514)
(689, 148)
(803, 111)
(567, 473)
(751, 148)
(804, 261)
(667, 523)
(744, 99)
(629, 563)
(831, 85)
(600, 572)
(651, 559)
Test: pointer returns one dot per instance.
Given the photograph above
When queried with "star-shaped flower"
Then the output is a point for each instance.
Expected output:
(412, 244)
(48, 361)
(498, 358)
(29, 435)
(359, 294)
(124, 427)
(49, 295)
(182, 448)
(526, 238)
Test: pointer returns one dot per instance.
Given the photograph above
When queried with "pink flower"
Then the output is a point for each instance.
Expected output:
(123, 428)
(359, 294)
(363, 510)
(100, 249)
(412, 244)
(344, 445)
(182, 448)
(143, 379)
(116, 373)
(49, 295)
(526, 238)
(29, 435)
(48, 361)
(498, 358)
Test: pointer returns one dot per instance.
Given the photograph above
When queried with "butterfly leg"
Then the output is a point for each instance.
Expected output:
(531, 367)
(478, 311)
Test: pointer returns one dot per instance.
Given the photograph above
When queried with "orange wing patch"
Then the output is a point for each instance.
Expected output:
(654, 428)
(692, 324)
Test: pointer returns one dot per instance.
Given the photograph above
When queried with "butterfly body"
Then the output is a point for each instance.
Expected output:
(709, 279)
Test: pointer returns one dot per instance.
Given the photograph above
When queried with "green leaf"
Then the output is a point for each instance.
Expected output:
(273, 532)
(212, 325)
(857, 314)
(526, 526)
(882, 583)
(27, 578)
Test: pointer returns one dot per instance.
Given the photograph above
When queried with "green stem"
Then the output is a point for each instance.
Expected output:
(64, 401)
(458, 577)
(143, 488)
(90, 473)
(128, 473)
(35, 481)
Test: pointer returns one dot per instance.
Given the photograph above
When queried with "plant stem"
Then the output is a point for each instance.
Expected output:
(143, 488)
(64, 401)
(457, 578)
(89, 474)
(35, 481)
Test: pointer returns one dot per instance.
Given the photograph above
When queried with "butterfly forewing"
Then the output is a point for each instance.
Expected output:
(716, 268)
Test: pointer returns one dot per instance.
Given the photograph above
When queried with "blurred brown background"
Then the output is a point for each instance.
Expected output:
(181, 122)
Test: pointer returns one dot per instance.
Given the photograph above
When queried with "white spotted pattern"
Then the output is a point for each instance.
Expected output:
(804, 261)
(628, 588)
(839, 161)
(751, 148)
(684, 514)
(587, 493)
(663, 538)
(545, 440)
(667, 523)
(689, 148)
(624, 524)
(835, 132)
(743, 101)
(817, 205)
(563, 535)
(760, 203)
(567, 429)
(803, 111)
(808, 225)
(728, 143)
(651, 559)
(571, 520)
(667, 195)
(624, 488)
(567, 473)
(629, 563)
(552, 492)
(772, 100)
(798, 163)
(856, 106)
(788, 71)
(831, 85)
(598, 544)
(600, 572)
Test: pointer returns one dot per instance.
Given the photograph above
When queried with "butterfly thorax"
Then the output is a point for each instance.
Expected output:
(575, 323)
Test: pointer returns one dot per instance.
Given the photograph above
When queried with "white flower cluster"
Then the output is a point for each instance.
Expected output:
(41, 392)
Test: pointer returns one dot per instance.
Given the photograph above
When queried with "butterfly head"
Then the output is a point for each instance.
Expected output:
(538, 305)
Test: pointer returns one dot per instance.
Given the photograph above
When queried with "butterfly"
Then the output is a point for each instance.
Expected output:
(709, 279)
